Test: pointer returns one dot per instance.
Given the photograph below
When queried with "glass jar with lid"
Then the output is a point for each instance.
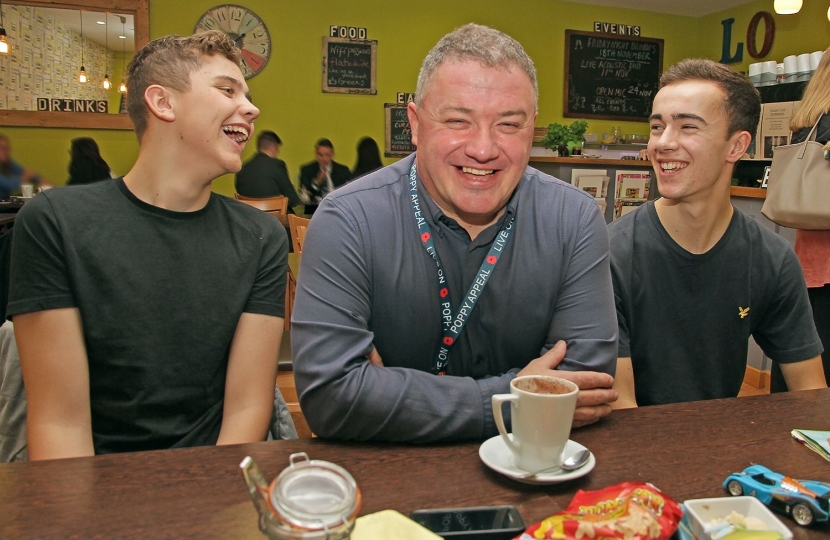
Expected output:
(309, 500)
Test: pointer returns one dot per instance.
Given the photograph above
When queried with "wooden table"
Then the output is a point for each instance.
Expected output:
(687, 450)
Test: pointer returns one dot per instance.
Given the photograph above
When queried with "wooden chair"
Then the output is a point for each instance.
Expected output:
(298, 227)
(276, 206)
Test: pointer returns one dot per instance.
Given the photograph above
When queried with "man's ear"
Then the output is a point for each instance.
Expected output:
(160, 102)
(740, 142)
(412, 114)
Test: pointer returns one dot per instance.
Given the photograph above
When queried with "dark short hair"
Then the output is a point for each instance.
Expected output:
(267, 138)
(324, 142)
(169, 61)
(742, 102)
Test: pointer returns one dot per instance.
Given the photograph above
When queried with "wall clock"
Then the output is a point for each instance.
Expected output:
(246, 29)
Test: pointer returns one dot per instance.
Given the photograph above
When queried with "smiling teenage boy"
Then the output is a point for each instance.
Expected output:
(147, 309)
(694, 277)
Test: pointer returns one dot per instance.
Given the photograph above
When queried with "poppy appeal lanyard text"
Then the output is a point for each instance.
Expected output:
(454, 325)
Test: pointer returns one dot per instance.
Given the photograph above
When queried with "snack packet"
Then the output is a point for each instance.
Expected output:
(629, 511)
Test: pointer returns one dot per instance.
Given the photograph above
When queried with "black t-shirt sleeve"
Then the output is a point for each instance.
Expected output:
(268, 292)
(39, 276)
(786, 332)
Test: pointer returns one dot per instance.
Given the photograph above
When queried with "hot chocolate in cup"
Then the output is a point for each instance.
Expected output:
(542, 410)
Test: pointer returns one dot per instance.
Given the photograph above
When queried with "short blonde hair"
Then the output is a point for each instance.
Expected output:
(169, 61)
(485, 45)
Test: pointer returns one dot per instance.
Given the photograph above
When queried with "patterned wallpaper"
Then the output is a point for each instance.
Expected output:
(46, 59)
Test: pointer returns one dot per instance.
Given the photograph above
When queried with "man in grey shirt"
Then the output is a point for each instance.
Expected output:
(427, 286)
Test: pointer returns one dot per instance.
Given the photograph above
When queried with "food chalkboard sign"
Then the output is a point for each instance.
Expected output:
(349, 66)
(398, 131)
(610, 77)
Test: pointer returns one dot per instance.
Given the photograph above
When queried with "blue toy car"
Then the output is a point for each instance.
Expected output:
(806, 501)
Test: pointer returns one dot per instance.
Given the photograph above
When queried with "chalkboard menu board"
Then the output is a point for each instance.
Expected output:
(349, 66)
(610, 77)
(398, 131)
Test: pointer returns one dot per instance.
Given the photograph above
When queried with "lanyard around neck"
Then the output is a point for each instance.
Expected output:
(453, 325)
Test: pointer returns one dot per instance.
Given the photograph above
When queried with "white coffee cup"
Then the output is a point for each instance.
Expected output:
(790, 64)
(803, 62)
(542, 410)
(815, 58)
(27, 190)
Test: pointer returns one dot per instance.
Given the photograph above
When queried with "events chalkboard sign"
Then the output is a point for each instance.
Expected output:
(398, 131)
(349, 66)
(610, 77)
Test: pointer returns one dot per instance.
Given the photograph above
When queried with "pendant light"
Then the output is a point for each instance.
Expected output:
(123, 86)
(787, 7)
(106, 84)
(82, 78)
(5, 46)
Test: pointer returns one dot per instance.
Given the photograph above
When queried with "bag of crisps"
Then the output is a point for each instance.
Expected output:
(629, 511)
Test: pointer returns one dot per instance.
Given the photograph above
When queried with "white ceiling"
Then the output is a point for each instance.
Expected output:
(94, 31)
(690, 8)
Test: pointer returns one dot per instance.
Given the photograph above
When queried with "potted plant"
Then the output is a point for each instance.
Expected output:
(559, 136)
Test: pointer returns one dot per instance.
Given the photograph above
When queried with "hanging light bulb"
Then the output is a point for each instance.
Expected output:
(82, 78)
(787, 7)
(5, 46)
(828, 14)
(106, 84)
(123, 86)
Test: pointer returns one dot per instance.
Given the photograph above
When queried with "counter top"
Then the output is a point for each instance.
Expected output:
(582, 161)
(753, 192)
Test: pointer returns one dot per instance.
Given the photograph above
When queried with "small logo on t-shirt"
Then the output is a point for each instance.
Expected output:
(743, 312)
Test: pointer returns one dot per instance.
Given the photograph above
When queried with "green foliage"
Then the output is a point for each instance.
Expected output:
(559, 134)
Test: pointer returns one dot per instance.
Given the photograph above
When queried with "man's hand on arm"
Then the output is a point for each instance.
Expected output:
(252, 376)
(595, 389)
(806, 375)
(624, 384)
(56, 375)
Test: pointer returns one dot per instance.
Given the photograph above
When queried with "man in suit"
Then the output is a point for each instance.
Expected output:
(321, 176)
(265, 175)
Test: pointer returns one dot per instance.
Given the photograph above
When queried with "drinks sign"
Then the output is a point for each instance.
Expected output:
(72, 105)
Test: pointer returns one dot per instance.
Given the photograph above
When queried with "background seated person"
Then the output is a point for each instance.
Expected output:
(265, 174)
(12, 174)
(368, 157)
(415, 303)
(147, 310)
(694, 277)
(86, 165)
(322, 176)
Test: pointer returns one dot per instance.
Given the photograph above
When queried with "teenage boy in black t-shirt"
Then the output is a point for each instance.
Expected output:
(148, 310)
(693, 277)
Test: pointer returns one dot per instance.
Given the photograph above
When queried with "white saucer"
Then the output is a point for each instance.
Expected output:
(495, 454)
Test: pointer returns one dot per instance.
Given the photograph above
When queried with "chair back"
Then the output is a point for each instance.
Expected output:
(297, 226)
(276, 206)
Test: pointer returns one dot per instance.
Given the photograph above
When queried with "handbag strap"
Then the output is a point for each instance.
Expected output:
(811, 137)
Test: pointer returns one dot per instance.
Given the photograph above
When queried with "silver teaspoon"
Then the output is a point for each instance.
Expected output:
(571, 463)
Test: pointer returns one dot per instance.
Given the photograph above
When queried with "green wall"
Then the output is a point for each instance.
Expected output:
(288, 90)
(804, 32)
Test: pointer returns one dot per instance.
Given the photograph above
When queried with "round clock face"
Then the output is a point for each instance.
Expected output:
(246, 29)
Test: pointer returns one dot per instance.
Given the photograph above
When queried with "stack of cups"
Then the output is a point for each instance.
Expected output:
(803, 66)
(769, 73)
(755, 73)
(790, 68)
(815, 58)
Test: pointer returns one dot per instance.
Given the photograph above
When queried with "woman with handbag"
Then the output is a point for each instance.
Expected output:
(813, 247)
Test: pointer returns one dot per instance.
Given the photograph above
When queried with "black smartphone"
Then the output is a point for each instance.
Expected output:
(487, 522)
